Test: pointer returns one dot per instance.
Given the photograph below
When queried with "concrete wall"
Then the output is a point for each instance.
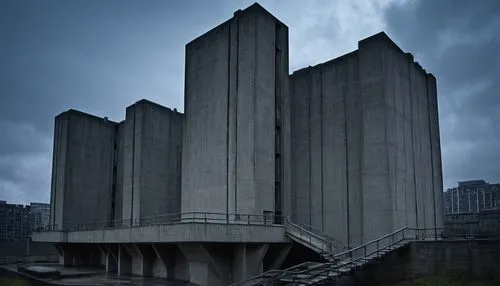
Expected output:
(471, 260)
(82, 177)
(152, 160)
(235, 75)
(22, 248)
(365, 144)
(188, 232)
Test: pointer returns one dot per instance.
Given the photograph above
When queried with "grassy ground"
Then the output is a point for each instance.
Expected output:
(13, 281)
(450, 280)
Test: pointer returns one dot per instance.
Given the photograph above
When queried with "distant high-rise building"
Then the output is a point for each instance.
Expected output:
(471, 197)
(39, 215)
(14, 221)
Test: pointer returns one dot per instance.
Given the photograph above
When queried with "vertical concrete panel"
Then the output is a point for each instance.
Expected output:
(264, 117)
(246, 128)
(423, 139)
(128, 159)
(286, 124)
(315, 133)
(204, 164)
(354, 137)
(119, 156)
(417, 146)
(437, 178)
(334, 152)
(59, 169)
(395, 135)
(411, 204)
(377, 206)
(233, 108)
(301, 176)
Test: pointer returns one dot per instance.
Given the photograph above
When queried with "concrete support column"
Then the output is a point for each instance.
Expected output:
(248, 261)
(201, 267)
(277, 260)
(65, 258)
(147, 258)
(111, 258)
(166, 257)
(124, 261)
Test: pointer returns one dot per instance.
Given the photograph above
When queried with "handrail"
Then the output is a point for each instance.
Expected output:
(176, 218)
(310, 228)
(393, 238)
(328, 265)
(372, 242)
(325, 243)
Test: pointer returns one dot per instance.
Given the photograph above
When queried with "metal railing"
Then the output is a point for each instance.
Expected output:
(349, 259)
(331, 239)
(178, 218)
(319, 242)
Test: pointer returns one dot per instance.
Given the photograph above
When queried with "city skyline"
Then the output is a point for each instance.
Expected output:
(106, 64)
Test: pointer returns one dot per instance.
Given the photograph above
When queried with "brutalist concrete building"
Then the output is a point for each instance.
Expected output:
(348, 148)
(366, 154)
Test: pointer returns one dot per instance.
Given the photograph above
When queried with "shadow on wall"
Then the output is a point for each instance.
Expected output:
(466, 262)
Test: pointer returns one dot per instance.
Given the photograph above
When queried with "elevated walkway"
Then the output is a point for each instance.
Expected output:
(185, 227)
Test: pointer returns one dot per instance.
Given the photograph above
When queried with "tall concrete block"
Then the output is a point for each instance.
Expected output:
(83, 183)
(152, 161)
(366, 168)
(235, 81)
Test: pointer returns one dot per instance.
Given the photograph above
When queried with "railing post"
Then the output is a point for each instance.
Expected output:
(205, 217)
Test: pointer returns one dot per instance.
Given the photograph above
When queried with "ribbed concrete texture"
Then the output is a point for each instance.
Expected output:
(82, 172)
(104, 171)
(365, 144)
(152, 161)
(235, 144)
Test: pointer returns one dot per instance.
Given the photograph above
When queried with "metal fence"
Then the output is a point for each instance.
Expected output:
(178, 218)
(354, 257)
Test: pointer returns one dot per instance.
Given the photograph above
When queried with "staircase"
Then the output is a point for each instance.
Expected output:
(338, 263)
(321, 243)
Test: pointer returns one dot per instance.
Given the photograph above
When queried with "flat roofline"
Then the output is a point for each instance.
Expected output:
(334, 60)
(149, 102)
(81, 113)
(255, 7)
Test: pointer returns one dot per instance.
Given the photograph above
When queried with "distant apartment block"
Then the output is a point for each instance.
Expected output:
(39, 215)
(472, 197)
(14, 221)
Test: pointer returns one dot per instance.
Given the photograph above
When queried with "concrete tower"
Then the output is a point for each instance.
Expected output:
(151, 161)
(365, 144)
(236, 143)
(83, 172)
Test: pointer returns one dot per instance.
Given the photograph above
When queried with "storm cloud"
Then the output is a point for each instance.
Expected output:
(101, 56)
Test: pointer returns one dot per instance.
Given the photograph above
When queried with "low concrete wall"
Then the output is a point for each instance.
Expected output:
(474, 258)
(186, 232)
(23, 248)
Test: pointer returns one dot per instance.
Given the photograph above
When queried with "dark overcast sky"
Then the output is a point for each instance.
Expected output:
(101, 56)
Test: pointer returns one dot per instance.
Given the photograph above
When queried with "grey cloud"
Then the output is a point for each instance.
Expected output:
(459, 41)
